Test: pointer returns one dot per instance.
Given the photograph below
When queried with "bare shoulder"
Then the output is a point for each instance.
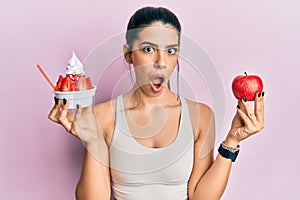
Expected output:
(202, 111)
(105, 114)
(201, 116)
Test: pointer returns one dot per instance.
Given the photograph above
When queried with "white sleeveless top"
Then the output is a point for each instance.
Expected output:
(143, 173)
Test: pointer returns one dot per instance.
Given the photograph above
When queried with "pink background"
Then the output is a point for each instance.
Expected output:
(39, 160)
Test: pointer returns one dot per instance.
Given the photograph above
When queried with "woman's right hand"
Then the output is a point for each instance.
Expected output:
(59, 114)
(83, 124)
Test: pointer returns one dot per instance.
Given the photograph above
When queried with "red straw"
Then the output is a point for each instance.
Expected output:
(47, 78)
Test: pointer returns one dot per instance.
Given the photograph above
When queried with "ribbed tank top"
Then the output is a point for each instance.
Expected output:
(143, 173)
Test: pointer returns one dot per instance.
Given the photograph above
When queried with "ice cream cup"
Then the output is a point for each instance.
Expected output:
(83, 98)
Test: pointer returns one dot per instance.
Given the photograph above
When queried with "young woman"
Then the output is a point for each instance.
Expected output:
(151, 143)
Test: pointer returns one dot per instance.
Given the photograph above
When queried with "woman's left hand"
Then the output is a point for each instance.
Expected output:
(246, 122)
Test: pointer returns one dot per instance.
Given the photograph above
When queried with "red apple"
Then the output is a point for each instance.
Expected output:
(246, 86)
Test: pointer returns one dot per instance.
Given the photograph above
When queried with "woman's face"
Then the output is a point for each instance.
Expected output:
(154, 56)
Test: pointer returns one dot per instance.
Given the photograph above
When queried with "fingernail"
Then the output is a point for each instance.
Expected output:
(238, 107)
(263, 93)
(64, 101)
(259, 94)
(56, 100)
(244, 99)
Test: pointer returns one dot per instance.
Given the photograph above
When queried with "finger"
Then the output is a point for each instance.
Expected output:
(78, 111)
(53, 115)
(88, 110)
(245, 118)
(259, 107)
(74, 127)
(63, 119)
(247, 109)
(70, 117)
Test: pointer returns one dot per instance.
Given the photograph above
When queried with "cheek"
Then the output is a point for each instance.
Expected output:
(139, 58)
(143, 62)
(142, 65)
(142, 73)
(173, 62)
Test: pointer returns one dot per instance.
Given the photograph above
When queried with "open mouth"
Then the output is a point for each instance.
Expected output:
(156, 83)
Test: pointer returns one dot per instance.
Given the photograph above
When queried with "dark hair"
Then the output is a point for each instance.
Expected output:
(148, 15)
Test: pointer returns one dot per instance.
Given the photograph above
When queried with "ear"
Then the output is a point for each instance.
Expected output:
(127, 53)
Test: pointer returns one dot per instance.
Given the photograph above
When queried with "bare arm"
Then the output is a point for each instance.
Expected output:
(212, 183)
(94, 182)
(209, 177)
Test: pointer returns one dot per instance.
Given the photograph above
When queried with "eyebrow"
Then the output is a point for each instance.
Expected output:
(152, 44)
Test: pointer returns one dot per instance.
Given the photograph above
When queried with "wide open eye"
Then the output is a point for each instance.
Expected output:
(148, 49)
(172, 51)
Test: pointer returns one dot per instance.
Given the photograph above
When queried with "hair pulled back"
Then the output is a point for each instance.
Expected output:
(146, 16)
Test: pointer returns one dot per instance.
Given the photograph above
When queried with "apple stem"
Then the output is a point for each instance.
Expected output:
(246, 73)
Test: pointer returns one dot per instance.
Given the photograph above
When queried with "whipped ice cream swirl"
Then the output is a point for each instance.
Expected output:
(74, 66)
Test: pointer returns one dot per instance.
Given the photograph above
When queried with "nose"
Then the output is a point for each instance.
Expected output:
(160, 59)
